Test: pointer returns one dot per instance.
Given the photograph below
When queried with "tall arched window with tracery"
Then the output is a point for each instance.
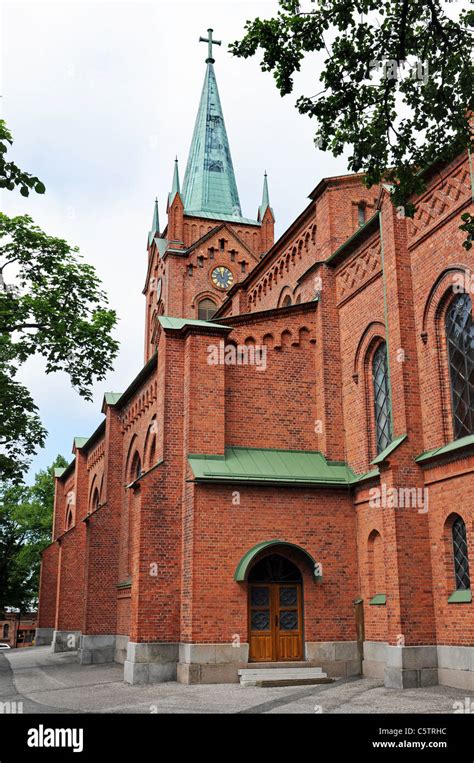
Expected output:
(460, 554)
(382, 402)
(460, 347)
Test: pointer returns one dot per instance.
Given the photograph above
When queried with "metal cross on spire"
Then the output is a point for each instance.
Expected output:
(210, 43)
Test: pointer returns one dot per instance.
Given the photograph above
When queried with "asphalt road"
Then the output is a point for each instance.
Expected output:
(56, 683)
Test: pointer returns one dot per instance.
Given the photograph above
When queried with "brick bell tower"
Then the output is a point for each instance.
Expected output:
(207, 245)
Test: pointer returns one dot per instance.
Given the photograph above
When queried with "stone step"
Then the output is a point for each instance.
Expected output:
(283, 676)
(273, 665)
(269, 682)
(309, 672)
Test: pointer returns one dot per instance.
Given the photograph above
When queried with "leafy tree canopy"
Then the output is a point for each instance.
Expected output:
(51, 304)
(25, 530)
(395, 86)
(10, 174)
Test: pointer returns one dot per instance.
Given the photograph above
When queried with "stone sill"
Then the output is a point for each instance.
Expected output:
(461, 596)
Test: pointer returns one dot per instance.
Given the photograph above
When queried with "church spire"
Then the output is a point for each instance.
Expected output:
(209, 183)
(175, 187)
(265, 199)
(155, 223)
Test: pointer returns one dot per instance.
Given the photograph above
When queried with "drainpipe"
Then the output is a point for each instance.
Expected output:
(385, 308)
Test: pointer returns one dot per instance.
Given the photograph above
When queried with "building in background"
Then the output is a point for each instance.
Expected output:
(18, 629)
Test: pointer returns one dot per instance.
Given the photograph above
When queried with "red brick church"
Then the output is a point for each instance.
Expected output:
(290, 476)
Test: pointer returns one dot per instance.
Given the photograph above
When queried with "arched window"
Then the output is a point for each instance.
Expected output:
(206, 309)
(460, 344)
(287, 301)
(152, 455)
(361, 213)
(461, 562)
(69, 520)
(376, 564)
(95, 500)
(136, 470)
(6, 631)
(382, 405)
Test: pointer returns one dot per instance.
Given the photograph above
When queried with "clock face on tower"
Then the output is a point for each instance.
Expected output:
(222, 277)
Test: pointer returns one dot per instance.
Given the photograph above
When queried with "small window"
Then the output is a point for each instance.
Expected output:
(461, 562)
(69, 520)
(151, 457)
(382, 404)
(190, 270)
(200, 261)
(95, 500)
(287, 301)
(211, 253)
(136, 472)
(361, 213)
(206, 309)
(460, 342)
(6, 631)
(232, 255)
(243, 267)
(222, 244)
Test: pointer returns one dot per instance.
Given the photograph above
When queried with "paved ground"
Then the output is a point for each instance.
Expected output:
(56, 683)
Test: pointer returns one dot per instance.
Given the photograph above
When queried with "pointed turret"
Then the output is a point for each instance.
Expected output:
(175, 187)
(266, 218)
(265, 200)
(155, 224)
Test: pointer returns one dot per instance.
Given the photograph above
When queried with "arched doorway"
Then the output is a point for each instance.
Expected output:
(275, 607)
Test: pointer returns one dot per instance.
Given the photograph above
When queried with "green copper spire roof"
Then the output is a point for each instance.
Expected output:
(155, 224)
(209, 183)
(265, 199)
(175, 188)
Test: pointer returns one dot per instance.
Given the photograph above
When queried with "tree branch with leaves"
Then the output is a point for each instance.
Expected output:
(396, 82)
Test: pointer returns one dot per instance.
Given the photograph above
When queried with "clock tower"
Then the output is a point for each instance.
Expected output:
(207, 245)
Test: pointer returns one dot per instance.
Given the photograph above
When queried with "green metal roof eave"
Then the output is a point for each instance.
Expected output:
(363, 229)
(451, 447)
(270, 466)
(79, 442)
(112, 398)
(139, 379)
(59, 471)
(257, 480)
(389, 449)
(242, 568)
(67, 470)
(176, 324)
(223, 217)
(373, 474)
(161, 245)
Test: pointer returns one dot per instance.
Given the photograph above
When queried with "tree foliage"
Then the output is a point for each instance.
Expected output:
(51, 304)
(25, 530)
(11, 175)
(395, 86)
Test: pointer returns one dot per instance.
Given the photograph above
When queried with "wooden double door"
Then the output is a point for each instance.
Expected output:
(275, 622)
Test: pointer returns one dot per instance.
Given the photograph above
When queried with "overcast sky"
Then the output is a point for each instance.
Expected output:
(100, 97)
